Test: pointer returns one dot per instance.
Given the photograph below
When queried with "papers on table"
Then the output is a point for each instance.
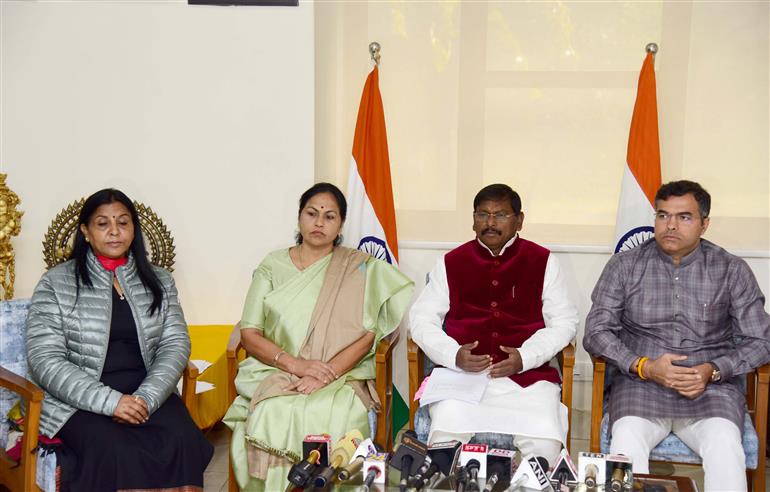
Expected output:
(446, 384)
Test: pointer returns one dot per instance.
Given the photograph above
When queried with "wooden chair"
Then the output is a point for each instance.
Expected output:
(20, 476)
(416, 358)
(757, 406)
(383, 358)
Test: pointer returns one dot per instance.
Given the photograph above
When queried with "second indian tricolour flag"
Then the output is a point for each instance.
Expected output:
(641, 176)
(371, 219)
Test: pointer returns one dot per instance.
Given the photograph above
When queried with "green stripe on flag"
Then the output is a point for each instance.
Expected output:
(400, 412)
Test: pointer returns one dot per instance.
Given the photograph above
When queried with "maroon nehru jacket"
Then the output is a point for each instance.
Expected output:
(497, 300)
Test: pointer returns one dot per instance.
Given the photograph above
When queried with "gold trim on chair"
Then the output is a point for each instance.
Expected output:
(57, 244)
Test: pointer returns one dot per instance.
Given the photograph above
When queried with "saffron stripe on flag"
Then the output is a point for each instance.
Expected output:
(641, 174)
(371, 219)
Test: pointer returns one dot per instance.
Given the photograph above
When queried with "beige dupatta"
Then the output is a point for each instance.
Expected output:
(335, 324)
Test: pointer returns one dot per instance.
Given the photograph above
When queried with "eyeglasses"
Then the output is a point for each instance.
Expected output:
(499, 216)
(684, 218)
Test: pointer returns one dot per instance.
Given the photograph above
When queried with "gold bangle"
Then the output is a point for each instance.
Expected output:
(276, 356)
(639, 367)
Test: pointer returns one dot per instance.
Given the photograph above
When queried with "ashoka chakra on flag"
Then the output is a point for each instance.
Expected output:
(634, 238)
(375, 247)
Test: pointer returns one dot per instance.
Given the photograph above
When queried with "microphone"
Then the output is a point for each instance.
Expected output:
(375, 466)
(461, 479)
(321, 442)
(426, 464)
(591, 472)
(564, 473)
(443, 455)
(531, 474)
(364, 449)
(408, 458)
(592, 469)
(619, 469)
(341, 454)
(618, 477)
(499, 467)
(471, 470)
(476, 452)
(315, 449)
(300, 473)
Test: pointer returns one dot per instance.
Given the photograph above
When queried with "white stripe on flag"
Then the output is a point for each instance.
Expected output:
(635, 214)
(366, 223)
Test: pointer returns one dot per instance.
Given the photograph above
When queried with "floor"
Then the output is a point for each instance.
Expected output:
(215, 478)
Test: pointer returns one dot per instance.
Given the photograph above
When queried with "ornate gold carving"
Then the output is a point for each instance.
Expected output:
(57, 244)
(161, 244)
(10, 225)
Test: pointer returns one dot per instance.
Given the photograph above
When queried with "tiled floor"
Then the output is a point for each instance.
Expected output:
(215, 478)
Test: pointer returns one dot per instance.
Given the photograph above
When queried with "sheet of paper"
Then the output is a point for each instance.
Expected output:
(201, 364)
(203, 386)
(446, 384)
(200, 386)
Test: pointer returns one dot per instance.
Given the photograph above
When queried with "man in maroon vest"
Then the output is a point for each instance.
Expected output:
(499, 304)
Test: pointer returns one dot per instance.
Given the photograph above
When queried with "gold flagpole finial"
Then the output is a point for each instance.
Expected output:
(374, 51)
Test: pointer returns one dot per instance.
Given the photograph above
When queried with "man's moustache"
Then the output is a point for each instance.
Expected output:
(491, 230)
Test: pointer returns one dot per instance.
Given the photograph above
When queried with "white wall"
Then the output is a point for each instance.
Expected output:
(203, 113)
(582, 266)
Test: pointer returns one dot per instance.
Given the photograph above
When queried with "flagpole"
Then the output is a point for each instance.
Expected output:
(651, 48)
(374, 51)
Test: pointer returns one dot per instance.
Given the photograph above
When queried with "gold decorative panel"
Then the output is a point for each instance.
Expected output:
(10, 225)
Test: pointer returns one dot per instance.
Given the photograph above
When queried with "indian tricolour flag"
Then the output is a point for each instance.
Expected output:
(641, 176)
(371, 220)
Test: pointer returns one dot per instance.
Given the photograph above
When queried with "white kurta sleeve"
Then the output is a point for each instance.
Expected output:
(560, 316)
(426, 319)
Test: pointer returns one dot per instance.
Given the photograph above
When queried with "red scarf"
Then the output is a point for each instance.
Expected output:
(110, 264)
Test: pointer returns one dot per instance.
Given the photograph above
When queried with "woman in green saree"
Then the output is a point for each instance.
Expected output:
(313, 316)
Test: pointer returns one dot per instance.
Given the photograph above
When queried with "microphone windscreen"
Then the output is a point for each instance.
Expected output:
(530, 474)
(445, 455)
(476, 452)
(412, 447)
(564, 471)
(345, 447)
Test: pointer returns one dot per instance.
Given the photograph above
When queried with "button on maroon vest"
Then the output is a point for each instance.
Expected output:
(497, 300)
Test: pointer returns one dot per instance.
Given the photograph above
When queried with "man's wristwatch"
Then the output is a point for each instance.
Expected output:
(716, 374)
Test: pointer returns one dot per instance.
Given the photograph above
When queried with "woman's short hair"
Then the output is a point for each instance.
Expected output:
(316, 189)
(137, 248)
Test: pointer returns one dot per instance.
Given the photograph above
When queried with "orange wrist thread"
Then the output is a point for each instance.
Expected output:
(639, 366)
